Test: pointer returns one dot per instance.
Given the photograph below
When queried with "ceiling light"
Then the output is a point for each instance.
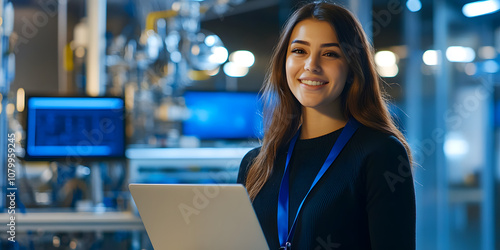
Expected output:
(242, 58)
(431, 57)
(480, 8)
(385, 58)
(460, 54)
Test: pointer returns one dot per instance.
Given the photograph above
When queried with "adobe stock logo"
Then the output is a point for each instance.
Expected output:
(326, 244)
(201, 200)
(454, 117)
(404, 172)
(202, 197)
(93, 137)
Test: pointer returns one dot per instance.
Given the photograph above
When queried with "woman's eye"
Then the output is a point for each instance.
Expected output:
(298, 51)
(332, 54)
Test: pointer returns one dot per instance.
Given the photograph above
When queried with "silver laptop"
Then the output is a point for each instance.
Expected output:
(184, 217)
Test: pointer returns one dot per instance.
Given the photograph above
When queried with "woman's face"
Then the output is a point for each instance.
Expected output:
(316, 69)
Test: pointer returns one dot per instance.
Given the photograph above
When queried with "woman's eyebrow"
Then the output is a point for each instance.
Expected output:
(322, 45)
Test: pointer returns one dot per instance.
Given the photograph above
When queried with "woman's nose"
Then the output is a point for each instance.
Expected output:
(312, 64)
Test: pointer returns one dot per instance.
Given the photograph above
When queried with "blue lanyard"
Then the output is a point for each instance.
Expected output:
(283, 209)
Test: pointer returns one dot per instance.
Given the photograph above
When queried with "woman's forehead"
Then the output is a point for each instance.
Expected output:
(314, 30)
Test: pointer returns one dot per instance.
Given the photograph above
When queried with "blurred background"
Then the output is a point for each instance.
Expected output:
(98, 94)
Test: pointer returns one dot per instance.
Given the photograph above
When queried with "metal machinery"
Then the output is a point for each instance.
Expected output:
(151, 71)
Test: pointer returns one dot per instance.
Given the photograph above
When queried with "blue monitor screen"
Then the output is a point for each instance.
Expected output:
(86, 127)
(497, 114)
(223, 115)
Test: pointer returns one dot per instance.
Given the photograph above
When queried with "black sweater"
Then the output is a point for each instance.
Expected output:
(365, 200)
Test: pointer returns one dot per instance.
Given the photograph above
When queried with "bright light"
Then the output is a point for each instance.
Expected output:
(490, 66)
(176, 56)
(73, 244)
(460, 54)
(213, 72)
(470, 69)
(219, 55)
(385, 58)
(388, 71)
(455, 146)
(210, 40)
(56, 241)
(20, 100)
(43, 198)
(487, 52)
(195, 50)
(10, 109)
(414, 5)
(176, 6)
(82, 170)
(81, 34)
(480, 8)
(234, 70)
(242, 58)
(154, 44)
(431, 57)
(80, 52)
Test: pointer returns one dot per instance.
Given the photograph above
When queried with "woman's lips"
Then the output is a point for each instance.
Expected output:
(312, 82)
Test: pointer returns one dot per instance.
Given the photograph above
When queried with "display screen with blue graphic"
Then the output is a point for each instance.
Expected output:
(223, 115)
(497, 114)
(75, 127)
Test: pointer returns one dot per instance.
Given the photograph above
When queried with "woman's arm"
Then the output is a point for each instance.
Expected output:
(390, 198)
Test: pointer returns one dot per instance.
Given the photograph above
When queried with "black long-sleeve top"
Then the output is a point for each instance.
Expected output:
(365, 200)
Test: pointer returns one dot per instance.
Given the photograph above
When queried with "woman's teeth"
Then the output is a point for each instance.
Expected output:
(312, 83)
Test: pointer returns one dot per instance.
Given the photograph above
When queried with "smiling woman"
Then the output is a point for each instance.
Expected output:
(333, 171)
(316, 73)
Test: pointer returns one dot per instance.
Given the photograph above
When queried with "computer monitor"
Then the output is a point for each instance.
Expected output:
(74, 127)
(497, 114)
(223, 115)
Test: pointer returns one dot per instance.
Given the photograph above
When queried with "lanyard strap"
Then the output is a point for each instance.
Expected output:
(283, 198)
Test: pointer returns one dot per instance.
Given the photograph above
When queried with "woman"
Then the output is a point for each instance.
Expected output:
(333, 171)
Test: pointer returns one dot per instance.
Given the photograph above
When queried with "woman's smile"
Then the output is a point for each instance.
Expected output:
(316, 69)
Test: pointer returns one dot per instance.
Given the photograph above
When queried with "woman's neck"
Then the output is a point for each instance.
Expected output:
(316, 123)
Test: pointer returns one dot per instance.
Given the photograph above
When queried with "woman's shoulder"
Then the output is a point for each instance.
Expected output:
(376, 141)
(384, 164)
(250, 155)
(246, 162)
(383, 154)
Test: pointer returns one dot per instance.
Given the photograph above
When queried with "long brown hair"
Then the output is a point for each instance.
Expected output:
(362, 97)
